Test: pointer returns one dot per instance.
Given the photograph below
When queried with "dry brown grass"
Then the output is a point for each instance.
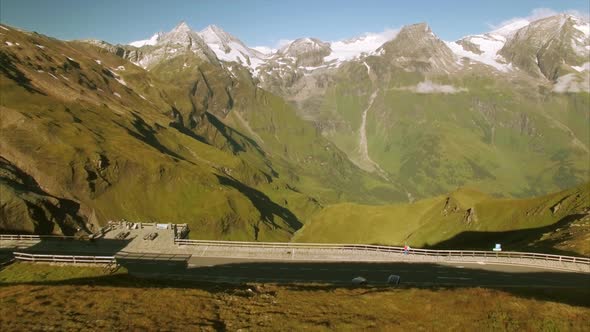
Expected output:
(120, 302)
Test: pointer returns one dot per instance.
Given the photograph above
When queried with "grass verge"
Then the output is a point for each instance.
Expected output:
(45, 297)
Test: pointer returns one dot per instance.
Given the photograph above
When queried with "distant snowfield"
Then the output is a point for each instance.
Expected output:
(264, 59)
(489, 45)
(152, 41)
(346, 50)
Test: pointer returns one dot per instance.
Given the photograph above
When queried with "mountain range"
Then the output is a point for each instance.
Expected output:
(197, 127)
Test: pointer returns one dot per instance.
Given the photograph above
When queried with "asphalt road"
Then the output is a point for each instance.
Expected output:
(239, 270)
(421, 274)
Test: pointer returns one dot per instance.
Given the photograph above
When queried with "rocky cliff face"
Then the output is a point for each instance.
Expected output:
(549, 47)
(417, 48)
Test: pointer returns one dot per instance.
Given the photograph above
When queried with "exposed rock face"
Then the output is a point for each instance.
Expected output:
(548, 47)
(555, 208)
(180, 41)
(450, 206)
(470, 215)
(306, 51)
(417, 48)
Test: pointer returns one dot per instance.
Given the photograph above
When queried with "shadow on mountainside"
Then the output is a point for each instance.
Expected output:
(8, 69)
(228, 133)
(267, 208)
(146, 134)
(517, 240)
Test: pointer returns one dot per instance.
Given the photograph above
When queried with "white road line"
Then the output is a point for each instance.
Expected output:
(458, 278)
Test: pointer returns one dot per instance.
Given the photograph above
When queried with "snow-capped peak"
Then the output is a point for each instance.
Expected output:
(510, 28)
(230, 48)
(345, 50)
(214, 34)
(181, 27)
(152, 41)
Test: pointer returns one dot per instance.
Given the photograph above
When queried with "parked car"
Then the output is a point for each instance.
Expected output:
(359, 281)
(150, 236)
(393, 279)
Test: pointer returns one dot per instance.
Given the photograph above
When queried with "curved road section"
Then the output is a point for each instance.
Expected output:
(238, 262)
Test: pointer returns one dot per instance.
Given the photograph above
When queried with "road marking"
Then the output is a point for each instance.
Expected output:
(458, 278)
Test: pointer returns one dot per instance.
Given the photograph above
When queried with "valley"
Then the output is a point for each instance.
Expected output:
(303, 143)
(292, 166)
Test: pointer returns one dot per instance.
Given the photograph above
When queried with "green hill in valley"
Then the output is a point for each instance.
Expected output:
(465, 218)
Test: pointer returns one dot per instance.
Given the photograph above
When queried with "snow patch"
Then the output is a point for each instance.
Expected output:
(50, 74)
(5, 28)
(585, 28)
(40, 46)
(510, 27)
(489, 45)
(569, 83)
(8, 43)
(67, 79)
(117, 94)
(152, 41)
(120, 68)
(264, 49)
(118, 78)
(345, 50)
(585, 66)
(98, 61)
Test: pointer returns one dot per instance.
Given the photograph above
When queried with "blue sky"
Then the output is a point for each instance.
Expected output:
(267, 22)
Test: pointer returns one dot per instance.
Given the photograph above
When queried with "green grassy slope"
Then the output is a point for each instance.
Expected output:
(464, 218)
(92, 128)
(505, 134)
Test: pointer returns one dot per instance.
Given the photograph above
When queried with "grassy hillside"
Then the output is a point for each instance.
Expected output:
(465, 218)
(431, 131)
(88, 127)
(48, 293)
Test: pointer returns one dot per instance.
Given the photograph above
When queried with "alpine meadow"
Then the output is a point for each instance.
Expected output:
(358, 146)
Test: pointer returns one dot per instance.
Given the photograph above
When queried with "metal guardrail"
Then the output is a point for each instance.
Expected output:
(389, 249)
(74, 259)
(21, 237)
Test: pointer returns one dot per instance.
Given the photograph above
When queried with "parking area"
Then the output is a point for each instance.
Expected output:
(147, 237)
